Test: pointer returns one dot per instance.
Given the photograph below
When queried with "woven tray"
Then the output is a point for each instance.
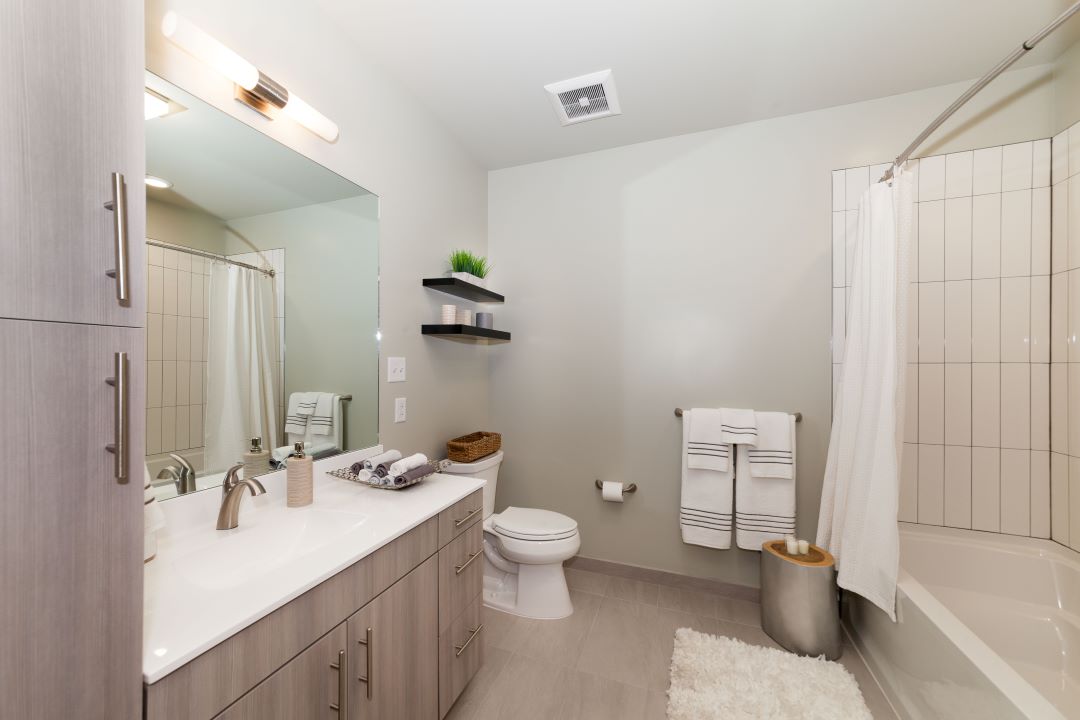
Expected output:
(474, 446)
(347, 474)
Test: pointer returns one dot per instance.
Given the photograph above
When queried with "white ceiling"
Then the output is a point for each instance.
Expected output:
(680, 65)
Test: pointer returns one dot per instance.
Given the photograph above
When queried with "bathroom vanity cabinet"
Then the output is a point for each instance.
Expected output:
(397, 634)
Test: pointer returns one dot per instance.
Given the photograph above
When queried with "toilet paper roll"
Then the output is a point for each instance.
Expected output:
(612, 491)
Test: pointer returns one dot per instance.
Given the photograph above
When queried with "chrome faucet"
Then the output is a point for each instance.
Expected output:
(232, 492)
(183, 475)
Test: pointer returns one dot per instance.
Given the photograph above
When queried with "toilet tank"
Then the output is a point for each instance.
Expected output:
(486, 468)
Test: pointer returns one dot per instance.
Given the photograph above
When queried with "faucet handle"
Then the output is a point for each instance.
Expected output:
(231, 480)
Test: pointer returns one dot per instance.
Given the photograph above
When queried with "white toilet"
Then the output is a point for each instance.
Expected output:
(524, 549)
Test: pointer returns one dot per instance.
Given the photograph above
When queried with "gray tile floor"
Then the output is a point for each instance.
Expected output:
(610, 659)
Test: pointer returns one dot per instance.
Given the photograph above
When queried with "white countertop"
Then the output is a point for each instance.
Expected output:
(206, 585)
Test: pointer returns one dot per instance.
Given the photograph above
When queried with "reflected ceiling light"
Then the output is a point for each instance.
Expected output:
(253, 87)
(156, 182)
(154, 106)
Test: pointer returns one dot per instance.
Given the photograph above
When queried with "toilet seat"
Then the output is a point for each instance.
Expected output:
(532, 524)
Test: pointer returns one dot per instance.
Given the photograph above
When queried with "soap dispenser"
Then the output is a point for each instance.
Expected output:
(298, 478)
(256, 460)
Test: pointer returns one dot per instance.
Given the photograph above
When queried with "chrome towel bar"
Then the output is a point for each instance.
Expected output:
(679, 413)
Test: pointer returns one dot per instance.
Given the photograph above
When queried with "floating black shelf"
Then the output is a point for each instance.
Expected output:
(462, 289)
(465, 332)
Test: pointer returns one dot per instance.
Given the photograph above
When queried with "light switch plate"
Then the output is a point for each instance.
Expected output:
(395, 369)
(399, 410)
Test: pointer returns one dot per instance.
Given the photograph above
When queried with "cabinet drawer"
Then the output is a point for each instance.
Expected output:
(461, 573)
(457, 518)
(461, 653)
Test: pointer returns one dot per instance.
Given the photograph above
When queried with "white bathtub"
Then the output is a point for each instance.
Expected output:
(988, 627)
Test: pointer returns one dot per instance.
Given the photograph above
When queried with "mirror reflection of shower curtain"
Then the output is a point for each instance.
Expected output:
(242, 353)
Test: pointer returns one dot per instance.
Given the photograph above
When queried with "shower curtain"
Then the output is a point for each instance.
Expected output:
(242, 353)
(860, 496)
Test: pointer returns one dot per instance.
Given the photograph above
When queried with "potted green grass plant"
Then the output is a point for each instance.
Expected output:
(469, 267)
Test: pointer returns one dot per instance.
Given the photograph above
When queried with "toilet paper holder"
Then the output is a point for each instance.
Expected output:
(632, 487)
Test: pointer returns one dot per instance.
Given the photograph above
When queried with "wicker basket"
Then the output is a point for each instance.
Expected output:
(474, 446)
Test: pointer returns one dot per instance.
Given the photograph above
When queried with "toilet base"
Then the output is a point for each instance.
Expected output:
(534, 591)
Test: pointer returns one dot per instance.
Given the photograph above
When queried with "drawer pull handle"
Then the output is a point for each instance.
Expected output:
(462, 521)
(342, 706)
(458, 569)
(119, 446)
(118, 206)
(461, 648)
(368, 679)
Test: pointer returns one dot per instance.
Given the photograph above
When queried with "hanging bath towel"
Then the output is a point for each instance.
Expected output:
(705, 512)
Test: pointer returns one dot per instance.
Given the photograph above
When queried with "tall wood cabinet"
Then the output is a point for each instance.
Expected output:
(71, 535)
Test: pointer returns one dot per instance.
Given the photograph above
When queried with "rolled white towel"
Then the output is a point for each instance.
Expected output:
(406, 464)
(390, 456)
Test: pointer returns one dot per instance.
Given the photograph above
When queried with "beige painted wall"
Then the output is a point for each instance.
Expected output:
(433, 195)
(189, 227)
(331, 300)
(687, 271)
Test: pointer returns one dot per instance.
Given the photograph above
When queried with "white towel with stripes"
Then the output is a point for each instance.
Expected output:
(322, 418)
(774, 453)
(704, 444)
(764, 506)
(738, 427)
(301, 407)
(705, 506)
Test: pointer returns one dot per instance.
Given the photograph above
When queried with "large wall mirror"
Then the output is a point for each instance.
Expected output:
(262, 314)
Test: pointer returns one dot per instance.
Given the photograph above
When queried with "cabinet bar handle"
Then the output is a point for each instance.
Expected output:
(342, 706)
(459, 568)
(461, 648)
(458, 523)
(118, 205)
(119, 381)
(368, 679)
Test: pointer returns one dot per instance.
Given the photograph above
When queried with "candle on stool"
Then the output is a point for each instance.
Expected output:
(792, 546)
(804, 547)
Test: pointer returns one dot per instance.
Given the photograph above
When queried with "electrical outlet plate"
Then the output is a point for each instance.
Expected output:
(395, 369)
(399, 410)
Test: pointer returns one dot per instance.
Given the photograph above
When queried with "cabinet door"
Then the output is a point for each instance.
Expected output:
(309, 686)
(393, 651)
(73, 80)
(71, 535)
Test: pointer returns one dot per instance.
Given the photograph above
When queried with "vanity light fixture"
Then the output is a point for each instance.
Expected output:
(253, 87)
(155, 182)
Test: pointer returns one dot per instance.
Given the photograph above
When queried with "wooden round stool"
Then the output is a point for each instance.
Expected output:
(799, 608)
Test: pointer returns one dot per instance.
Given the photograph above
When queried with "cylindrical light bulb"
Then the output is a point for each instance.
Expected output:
(310, 118)
(199, 43)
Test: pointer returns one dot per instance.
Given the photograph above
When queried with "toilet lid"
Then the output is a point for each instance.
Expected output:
(533, 524)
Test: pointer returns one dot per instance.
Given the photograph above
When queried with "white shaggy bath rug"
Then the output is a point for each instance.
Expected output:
(726, 679)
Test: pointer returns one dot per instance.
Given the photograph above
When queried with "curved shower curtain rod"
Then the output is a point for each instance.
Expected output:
(982, 82)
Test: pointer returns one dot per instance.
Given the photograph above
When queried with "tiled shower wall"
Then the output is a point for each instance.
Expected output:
(977, 431)
(1064, 350)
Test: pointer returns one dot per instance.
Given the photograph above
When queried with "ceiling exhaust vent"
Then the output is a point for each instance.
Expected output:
(584, 98)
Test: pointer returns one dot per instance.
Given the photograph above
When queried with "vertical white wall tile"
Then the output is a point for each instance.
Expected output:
(1074, 226)
(985, 320)
(1016, 167)
(985, 489)
(857, 181)
(913, 168)
(1040, 319)
(183, 261)
(168, 429)
(987, 171)
(958, 404)
(169, 258)
(911, 404)
(931, 484)
(932, 240)
(1040, 231)
(932, 178)
(168, 285)
(958, 238)
(1040, 163)
(1016, 405)
(986, 404)
(908, 510)
(1015, 319)
(1016, 233)
(1074, 149)
(183, 293)
(155, 288)
(839, 194)
(153, 255)
(1072, 331)
(153, 433)
(183, 338)
(1059, 407)
(153, 337)
(1040, 494)
(931, 322)
(183, 384)
(1074, 409)
(168, 383)
(1059, 227)
(838, 248)
(1059, 157)
(196, 338)
(183, 427)
(838, 310)
(1040, 406)
(958, 487)
(1059, 497)
(958, 321)
(195, 382)
(1016, 492)
(1059, 317)
(958, 169)
(932, 404)
(195, 433)
(168, 337)
(913, 323)
(153, 383)
(986, 236)
(1074, 474)
(851, 234)
(197, 267)
(197, 295)
(914, 251)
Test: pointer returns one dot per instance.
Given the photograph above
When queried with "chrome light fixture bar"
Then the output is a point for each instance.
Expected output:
(253, 87)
